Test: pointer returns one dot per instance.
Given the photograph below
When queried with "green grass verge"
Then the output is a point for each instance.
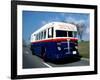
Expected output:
(84, 49)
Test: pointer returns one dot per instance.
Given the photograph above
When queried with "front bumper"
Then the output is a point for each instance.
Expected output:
(65, 59)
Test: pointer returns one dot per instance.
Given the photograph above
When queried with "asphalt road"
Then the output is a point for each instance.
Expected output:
(32, 61)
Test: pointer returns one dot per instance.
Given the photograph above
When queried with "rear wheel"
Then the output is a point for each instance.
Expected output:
(32, 50)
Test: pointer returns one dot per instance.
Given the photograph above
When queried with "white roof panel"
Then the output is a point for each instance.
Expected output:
(58, 25)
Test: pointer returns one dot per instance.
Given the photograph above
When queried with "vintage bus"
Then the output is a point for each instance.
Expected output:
(55, 41)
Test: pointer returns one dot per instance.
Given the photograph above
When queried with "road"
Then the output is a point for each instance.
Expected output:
(32, 61)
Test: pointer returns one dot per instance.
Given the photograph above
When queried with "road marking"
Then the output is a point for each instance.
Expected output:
(47, 64)
(85, 59)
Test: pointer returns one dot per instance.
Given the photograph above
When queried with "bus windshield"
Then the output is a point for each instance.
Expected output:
(60, 33)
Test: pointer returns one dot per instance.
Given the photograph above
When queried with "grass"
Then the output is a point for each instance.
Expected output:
(84, 49)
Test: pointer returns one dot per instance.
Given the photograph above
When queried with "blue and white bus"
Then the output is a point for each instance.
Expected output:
(55, 41)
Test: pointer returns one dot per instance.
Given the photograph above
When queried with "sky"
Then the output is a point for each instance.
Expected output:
(33, 20)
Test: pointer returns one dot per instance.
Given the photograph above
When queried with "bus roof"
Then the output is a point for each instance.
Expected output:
(58, 25)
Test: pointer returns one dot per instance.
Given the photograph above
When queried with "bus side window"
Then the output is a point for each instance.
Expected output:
(39, 36)
(44, 34)
(50, 32)
(36, 37)
(70, 34)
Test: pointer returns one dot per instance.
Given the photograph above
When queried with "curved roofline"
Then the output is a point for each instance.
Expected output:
(50, 25)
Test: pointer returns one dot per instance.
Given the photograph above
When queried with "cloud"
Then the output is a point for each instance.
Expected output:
(44, 22)
(50, 20)
(63, 14)
(86, 35)
(80, 21)
(87, 30)
(54, 19)
(71, 19)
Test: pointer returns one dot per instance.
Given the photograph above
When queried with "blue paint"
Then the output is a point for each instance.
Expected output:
(51, 51)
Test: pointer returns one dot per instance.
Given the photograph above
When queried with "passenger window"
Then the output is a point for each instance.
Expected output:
(50, 32)
(36, 37)
(44, 34)
(41, 35)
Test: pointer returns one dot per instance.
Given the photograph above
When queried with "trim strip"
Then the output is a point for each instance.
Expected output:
(56, 40)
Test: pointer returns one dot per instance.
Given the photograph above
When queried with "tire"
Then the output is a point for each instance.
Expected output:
(32, 50)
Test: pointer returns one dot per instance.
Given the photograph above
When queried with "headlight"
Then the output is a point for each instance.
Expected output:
(76, 47)
(59, 48)
(74, 52)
